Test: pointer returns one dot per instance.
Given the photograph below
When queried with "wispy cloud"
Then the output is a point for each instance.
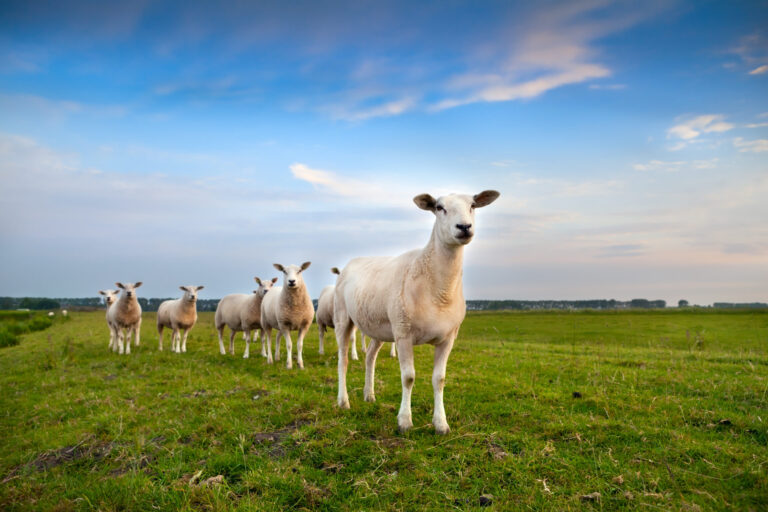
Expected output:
(688, 131)
(751, 146)
(675, 166)
(759, 70)
(752, 50)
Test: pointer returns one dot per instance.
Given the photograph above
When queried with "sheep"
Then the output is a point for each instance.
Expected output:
(64, 312)
(179, 315)
(50, 313)
(324, 318)
(241, 312)
(125, 317)
(392, 348)
(411, 299)
(110, 296)
(288, 308)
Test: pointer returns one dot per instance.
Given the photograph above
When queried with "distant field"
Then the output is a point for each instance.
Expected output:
(652, 410)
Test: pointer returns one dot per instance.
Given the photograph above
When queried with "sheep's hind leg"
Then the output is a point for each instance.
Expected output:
(232, 343)
(260, 336)
(184, 343)
(353, 341)
(221, 340)
(268, 335)
(393, 350)
(160, 337)
(300, 347)
(370, 369)
(321, 337)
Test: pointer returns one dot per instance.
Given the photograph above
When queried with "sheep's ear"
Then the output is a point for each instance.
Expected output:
(279, 267)
(274, 280)
(198, 288)
(258, 281)
(305, 265)
(335, 270)
(101, 292)
(137, 284)
(485, 198)
(120, 285)
(184, 288)
(425, 202)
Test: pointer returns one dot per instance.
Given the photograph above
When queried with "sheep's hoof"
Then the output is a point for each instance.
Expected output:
(354, 357)
(442, 429)
(245, 356)
(300, 364)
(223, 352)
(404, 424)
(270, 361)
(263, 354)
(370, 398)
(322, 352)
(343, 403)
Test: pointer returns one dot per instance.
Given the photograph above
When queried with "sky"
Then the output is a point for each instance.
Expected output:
(197, 143)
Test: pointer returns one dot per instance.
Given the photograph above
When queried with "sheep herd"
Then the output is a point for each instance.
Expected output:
(412, 299)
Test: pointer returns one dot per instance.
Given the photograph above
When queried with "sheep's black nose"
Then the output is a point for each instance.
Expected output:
(464, 227)
(291, 282)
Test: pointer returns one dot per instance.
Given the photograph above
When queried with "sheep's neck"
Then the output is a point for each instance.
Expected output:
(256, 303)
(188, 306)
(294, 296)
(443, 265)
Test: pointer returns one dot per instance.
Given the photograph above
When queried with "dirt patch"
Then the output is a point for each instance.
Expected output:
(272, 440)
(51, 459)
(111, 376)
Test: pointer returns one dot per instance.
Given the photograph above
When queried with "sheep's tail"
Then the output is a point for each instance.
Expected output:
(335, 270)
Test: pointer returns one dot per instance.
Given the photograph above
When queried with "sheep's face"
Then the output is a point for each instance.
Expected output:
(292, 274)
(455, 214)
(264, 286)
(129, 288)
(110, 296)
(190, 292)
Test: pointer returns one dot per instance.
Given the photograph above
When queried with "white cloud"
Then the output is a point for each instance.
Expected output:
(702, 124)
(608, 87)
(757, 125)
(753, 146)
(759, 70)
(661, 165)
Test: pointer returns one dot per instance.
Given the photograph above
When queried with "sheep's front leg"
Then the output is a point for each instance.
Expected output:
(277, 345)
(232, 342)
(127, 339)
(407, 378)
(363, 344)
(393, 350)
(160, 337)
(288, 348)
(260, 336)
(321, 336)
(184, 343)
(370, 369)
(120, 340)
(354, 344)
(300, 347)
(268, 335)
(247, 336)
(442, 351)
(343, 332)
(176, 343)
(137, 333)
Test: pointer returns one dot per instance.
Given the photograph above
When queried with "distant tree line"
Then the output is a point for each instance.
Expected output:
(151, 304)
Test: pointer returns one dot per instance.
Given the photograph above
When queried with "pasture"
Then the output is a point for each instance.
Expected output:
(548, 411)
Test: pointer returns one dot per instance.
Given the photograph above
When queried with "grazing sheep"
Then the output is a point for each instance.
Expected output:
(125, 317)
(64, 312)
(288, 308)
(50, 313)
(110, 296)
(411, 299)
(241, 312)
(179, 315)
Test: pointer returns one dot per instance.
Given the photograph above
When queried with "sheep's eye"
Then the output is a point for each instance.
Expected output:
(472, 207)
(439, 208)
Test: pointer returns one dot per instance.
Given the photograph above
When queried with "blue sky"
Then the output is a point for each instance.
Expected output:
(192, 143)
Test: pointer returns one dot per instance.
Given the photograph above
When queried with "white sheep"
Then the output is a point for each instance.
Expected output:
(50, 313)
(324, 318)
(179, 315)
(110, 296)
(125, 317)
(288, 308)
(242, 312)
(411, 299)
(64, 312)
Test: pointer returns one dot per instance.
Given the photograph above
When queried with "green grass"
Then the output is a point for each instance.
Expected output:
(671, 415)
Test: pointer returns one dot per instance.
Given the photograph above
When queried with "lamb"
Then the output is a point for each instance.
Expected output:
(288, 308)
(110, 296)
(411, 299)
(324, 317)
(242, 312)
(179, 315)
(125, 317)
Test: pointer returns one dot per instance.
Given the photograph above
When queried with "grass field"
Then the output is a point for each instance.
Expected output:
(652, 410)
